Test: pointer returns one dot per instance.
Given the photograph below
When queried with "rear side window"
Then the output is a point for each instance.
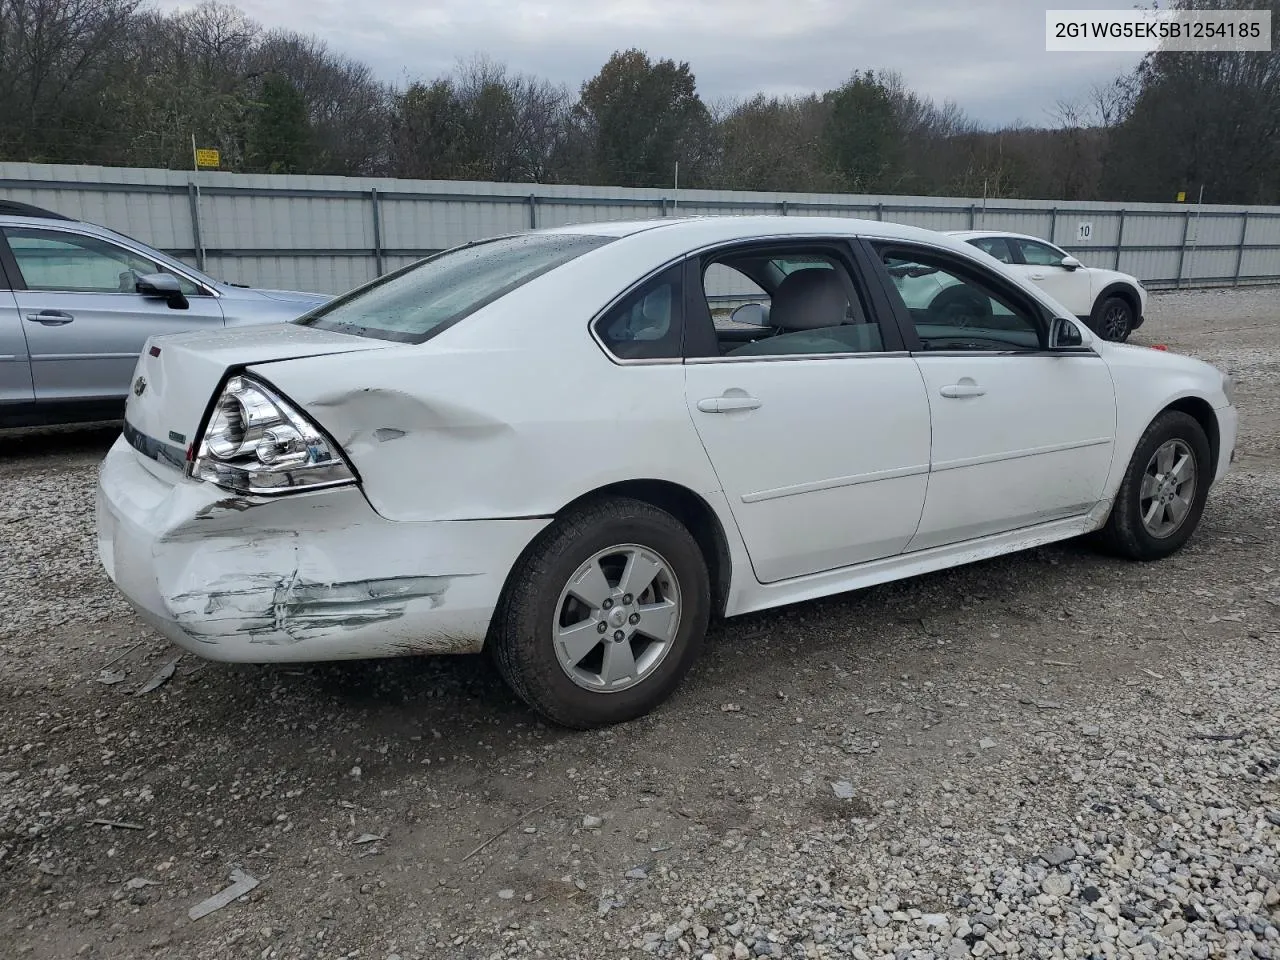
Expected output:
(996, 246)
(648, 323)
(415, 303)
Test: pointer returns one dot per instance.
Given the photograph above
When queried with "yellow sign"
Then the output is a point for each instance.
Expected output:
(1182, 196)
(208, 158)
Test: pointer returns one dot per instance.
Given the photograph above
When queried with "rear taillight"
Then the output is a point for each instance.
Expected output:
(257, 442)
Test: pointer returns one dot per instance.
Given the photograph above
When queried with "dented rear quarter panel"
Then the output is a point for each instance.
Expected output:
(513, 412)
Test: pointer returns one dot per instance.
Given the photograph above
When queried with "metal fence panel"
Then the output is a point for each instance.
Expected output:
(1259, 265)
(1264, 230)
(1208, 264)
(331, 233)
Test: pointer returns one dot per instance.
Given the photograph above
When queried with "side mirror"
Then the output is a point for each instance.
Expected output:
(163, 286)
(1064, 335)
(1070, 263)
(751, 314)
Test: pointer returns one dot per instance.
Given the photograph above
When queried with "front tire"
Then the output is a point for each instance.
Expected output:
(1162, 495)
(603, 615)
(1113, 319)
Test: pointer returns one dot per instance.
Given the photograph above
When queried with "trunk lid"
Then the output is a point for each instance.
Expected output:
(176, 377)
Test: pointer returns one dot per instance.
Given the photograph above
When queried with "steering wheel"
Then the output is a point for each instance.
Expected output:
(960, 307)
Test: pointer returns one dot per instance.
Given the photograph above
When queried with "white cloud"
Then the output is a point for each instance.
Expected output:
(988, 55)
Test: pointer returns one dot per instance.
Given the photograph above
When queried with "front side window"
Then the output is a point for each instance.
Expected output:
(1040, 254)
(808, 305)
(54, 260)
(648, 323)
(419, 301)
(955, 308)
(995, 246)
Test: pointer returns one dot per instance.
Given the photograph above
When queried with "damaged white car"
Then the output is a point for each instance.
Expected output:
(560, 447)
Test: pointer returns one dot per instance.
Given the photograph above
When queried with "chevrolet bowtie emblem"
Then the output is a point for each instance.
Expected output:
(139, 386)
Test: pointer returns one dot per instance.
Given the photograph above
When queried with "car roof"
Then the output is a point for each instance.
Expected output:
(720, 229)
(53, 220)
(977, 234)
(14, 208)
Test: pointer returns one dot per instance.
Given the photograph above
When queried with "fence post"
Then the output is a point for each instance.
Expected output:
(193, 196)
(1053, 225)
(784, 208)
(1244, 230)
(1119, 241)
(377, 231)
(664, 206)
(1182, 250)
(880, 211)
(973, 215)
(533, 212)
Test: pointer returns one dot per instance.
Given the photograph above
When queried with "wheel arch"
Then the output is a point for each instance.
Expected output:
(1126, 292)
(692, 510)
(1201, 411)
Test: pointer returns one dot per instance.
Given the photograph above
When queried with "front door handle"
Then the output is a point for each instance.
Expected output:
(727, 404)
(958, 391)
(50, 318)
(1037, 276)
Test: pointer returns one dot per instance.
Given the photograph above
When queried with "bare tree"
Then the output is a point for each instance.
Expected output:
(53, 54)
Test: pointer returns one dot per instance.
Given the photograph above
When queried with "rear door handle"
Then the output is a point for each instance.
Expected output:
(1037, 276)
(727, 404)
(50, 318)
(958, 391)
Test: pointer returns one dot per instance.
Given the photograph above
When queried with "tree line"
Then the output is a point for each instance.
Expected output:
(115, 82)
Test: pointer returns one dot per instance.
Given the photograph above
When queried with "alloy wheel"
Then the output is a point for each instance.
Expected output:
(1168, 488)
(1115, 322)
(617, 618)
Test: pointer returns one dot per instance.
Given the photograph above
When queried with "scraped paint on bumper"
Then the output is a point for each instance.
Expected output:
(310, 576)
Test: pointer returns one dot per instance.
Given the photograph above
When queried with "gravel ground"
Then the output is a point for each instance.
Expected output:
(1054, 754)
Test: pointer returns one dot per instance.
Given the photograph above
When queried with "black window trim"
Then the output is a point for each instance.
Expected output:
(10, 276)
(700, 329)
(876, 247)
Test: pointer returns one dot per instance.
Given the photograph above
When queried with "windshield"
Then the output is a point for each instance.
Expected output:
(424, 298)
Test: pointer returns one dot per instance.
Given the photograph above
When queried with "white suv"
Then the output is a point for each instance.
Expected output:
(1111, 303)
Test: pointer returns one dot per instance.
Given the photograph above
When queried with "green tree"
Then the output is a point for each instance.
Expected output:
(279, 137)
(427, 131)
(1210, 119)
(775, 144)
(863, 138)
(642, 117)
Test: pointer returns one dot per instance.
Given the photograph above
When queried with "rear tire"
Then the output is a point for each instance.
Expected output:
(1162, 495)
(1113, 319)
(603, 615)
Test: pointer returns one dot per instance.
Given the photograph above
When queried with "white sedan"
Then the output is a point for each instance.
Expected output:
(544, 445)
(1112, 303)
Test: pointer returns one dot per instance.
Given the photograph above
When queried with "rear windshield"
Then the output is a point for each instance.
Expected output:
(424, 298)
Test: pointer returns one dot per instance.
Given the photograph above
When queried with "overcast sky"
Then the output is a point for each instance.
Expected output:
(987, 55)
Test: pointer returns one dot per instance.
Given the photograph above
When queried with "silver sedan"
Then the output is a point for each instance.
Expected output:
(77, 303)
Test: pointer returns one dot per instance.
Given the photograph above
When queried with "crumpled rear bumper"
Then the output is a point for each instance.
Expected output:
(309, 576)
